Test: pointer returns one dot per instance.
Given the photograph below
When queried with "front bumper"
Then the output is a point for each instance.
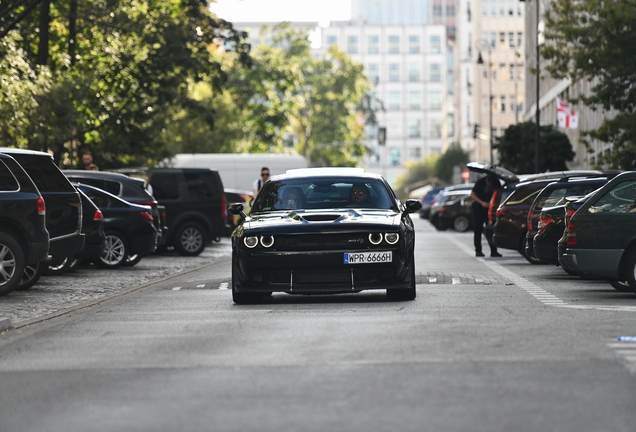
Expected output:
(317, 272)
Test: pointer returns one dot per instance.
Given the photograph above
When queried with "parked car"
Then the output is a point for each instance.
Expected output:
(129, 229)
(601, 235)
(321, 231)
(453, 210)
(63, 209)
(24, 239)
(509, 205)
(546, 214)
(128, 188)
(449, 192)
(236, 196)
(571, 207)
(195, 203)
(94, 237)
(428, 200)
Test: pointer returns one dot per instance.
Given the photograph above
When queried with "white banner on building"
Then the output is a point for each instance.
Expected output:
(567, 118)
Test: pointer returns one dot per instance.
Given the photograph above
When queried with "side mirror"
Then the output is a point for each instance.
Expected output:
(413, 205)
(237, 209)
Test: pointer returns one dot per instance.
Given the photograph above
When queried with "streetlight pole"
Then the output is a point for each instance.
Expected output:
(538, 111)
(484, 44)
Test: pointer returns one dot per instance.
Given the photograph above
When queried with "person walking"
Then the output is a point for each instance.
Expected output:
(258, 183)
(87, 159)
(481, 194)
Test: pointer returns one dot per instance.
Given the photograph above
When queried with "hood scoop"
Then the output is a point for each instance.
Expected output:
(322, 217)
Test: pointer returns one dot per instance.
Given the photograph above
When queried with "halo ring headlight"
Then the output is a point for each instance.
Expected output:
(267, 240)
(375, 238)
(391, 238)
(250, 242)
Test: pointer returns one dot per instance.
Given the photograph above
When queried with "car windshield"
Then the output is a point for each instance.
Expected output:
(323, 193)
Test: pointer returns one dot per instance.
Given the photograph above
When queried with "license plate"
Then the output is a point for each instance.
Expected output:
(368, 257)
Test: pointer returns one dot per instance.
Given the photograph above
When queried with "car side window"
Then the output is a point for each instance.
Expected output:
(620, 199)
(165, 186)
(554, 198)
(197, 187)
(8, 182)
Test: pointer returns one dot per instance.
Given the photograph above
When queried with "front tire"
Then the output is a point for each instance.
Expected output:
(404, 294)
(189, 239)
(630, 270)
(131, 260)
(11, 264)
(115, 251)
(461, 223)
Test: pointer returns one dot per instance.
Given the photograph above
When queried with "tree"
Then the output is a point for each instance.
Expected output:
(516, 148)
(594, 40)
(133, 66)
(453, 157)
(416, 171)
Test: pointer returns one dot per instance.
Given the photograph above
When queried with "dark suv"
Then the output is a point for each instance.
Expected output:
(24, 239)
(195, 203)
(63, 208)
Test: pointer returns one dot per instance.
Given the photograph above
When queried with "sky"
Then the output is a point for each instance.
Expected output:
(322, 11)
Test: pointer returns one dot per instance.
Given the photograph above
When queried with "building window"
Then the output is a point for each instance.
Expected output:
(395, 156)
(513, 105)
(415, 100)
(415, 128)
(450, 10)
(436, 128)
(520, 39)
(332, 40)
(394, 100)
(394, 128)
(437, 10)
(373, 72)
(502, 39)
(394, 72)
(503, 104)
(414, 72)
(394, 44)
(511, 72)
(484, 8)
(435, 100)
(502, 71)
(436, 44)
(414, 44)
(493, 40)
(415, 153)
(511, 40)
(435, 72)
(352, 44)
(373, 46)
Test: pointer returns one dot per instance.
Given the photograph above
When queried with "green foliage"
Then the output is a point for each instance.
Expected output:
(131, 74)
(415, 172)
(516, 148)
(453, 157)
(594, 40)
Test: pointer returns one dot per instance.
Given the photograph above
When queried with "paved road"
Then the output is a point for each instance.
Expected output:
(488, 345)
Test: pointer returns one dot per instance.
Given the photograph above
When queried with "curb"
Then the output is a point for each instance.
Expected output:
(5, 324)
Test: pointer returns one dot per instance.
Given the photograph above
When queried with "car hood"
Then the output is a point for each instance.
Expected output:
(499, 172)
(323, 220)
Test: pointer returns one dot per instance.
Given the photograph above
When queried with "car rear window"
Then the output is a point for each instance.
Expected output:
(8, 182)
(524, 194)
(45, 174)
(165, 186)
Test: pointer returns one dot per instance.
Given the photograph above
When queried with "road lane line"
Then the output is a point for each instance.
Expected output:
(176, 288)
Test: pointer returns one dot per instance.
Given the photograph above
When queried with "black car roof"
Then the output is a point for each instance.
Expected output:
(326, 173)
(99, 174)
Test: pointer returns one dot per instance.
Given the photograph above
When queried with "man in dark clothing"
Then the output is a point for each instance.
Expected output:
(481, 195)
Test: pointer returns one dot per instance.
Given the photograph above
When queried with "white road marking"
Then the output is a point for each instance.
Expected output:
(200, 286)
(224, 286)
(432, 279)
(176, 288)
(455, 281)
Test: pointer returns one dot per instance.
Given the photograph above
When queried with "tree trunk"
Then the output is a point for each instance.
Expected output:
(45, 19)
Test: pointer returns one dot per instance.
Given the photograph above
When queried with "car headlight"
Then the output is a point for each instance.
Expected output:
(250, 242)
(375, 238)
(267, 241)
(391, 238)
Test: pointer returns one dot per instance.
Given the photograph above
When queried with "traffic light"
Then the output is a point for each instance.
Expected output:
(475, 130)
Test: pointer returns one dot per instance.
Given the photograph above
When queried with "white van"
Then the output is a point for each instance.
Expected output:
(238, 170)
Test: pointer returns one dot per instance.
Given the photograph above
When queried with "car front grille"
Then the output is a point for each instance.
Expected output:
(330, 276)
(313, 242)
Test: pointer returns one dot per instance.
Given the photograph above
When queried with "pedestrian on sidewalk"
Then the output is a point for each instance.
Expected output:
(481, 194)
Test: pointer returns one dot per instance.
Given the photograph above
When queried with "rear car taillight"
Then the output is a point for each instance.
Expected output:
(98, 215)
(442, 209)
(543, 223)
(491, 206)
(500, 212)
(223, 207)
(529, 223)
(41, 206)
(571, 232)
(146, 216)
(152, 204)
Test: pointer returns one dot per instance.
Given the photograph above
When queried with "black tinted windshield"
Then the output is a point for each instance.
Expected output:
(325, 193)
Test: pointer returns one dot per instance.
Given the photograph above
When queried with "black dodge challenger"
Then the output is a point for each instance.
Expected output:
(321, 231)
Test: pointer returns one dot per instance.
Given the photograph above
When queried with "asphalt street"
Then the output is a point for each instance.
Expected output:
(490, 344)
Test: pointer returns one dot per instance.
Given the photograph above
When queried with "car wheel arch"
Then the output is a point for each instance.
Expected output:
(622, 265)
(11, 229)
(191, 217)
